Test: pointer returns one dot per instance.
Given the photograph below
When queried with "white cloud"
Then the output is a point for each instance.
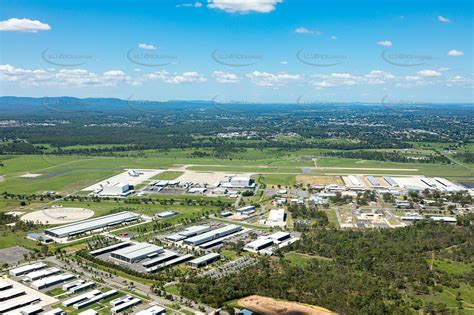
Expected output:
(225, 77)
(147, 46)
(272, 79)
(460, 81)
(455, 53)
(185, 77)
(284, 62)
(429, 73)
(412, 78)
(379, 74)
(333, 37)
(443, 19)
(23, 25)
(244, 6)
(385, 43)
(83, 78)
(304, 30)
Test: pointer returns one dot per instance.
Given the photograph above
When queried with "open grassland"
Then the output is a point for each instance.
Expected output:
(68, 174)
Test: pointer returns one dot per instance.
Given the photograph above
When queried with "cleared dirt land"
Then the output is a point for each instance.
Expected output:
(58, 215)
(266, 305)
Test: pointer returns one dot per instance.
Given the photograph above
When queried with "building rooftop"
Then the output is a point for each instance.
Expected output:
(204, 258)
(138, 250)
(92, 224)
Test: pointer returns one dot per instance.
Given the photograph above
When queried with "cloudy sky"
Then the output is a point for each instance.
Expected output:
(239, 50)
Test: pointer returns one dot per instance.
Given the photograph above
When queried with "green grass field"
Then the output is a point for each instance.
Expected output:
(67, 174)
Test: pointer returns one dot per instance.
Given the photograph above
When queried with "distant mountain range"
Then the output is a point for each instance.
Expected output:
(12, 105)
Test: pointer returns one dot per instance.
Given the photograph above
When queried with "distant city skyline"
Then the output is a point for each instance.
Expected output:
(281, 51)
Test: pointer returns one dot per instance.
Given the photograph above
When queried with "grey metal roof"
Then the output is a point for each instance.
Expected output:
(204, 258)
(93, 224)
(225, 230)
(138, 250)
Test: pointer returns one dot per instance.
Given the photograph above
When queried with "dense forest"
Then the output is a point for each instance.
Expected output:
(200, 124)
(360, 272)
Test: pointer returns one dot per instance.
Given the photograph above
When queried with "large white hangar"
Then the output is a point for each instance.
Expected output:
(137, 252)
(72, 229)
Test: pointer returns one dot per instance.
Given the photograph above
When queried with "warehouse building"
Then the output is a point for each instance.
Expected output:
(212, 235)
(82, 287)
(80, 298)
(390, 181)
(137, 252)
(246, 210)
(11, 294)
(258, 244)
(94, 299)
(171, 262)
(30, 309)
(43, 239)
(154, 310)
(56, 311)
(276, 218)
(166, 214)
(17, 303)
(35, 275)
(110, 248)
(5, 285)
(80, 227)
(50, 281)
(72, 284)
(129, 302)
(265, 244)
(166, 255)
(204, 260)
(188, 232)
(115, 190)
(26, 269)
(279, 237)
(373, 181)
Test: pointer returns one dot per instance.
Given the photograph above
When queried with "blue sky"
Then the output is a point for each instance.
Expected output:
(239, 50)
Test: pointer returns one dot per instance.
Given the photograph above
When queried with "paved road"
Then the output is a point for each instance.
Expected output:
(122, 284)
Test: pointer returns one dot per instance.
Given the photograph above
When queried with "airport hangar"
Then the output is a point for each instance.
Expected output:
(92, 224)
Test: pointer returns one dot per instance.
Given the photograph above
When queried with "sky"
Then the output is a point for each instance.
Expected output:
(283, 51)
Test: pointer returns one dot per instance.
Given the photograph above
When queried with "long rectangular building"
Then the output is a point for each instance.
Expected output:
(92, 224)
(204, 260)
(94, 299)
(35, 275)
(137, 252)
(125, 305)
(10, 294)
(18, 302)
(171, 262)
(154, 310)
(50, 281)
(390, 181)
(80, 298)
(25, 269)
(109, 249)
(212, 235)
(167, 255)
(373, 181)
